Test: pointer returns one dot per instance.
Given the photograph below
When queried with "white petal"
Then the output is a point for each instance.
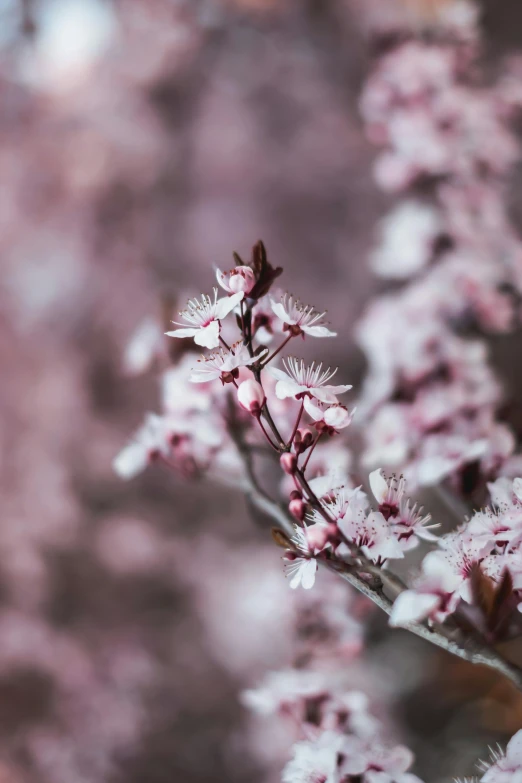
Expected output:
(281, 313)
(131, 461)
(226, 305)
(411, 607)
(208, 337)
(182, 333)
(378, 485)
(313, 410)
(318, 331)
(514, 748)
(203, 376)
(281, 375)
(288, 388)
(220, 277)
(308, 570)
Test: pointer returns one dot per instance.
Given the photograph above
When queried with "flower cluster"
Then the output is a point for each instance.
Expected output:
(481, 555)
(345, 527)
(432, 397)
(200, 423)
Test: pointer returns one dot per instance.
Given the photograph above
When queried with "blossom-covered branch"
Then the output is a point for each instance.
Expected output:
(222, 406)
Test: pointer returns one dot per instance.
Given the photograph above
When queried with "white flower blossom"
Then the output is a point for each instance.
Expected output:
(203, 318)
(223, 365)
(301, 380)
(299, 318)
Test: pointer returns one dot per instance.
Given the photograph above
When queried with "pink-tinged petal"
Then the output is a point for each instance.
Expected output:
(412, 607)
(209, 336)
(378, 485)
(318, 331)
(281, 313)
(329, 393)
(338, 416)
(313, 410)
(226, 305)
(182, 333)
(399, 759)
(323, 395)
(288, 388)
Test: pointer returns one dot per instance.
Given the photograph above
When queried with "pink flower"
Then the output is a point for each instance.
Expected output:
(434, 596)
(299, 318)
(372, 762)
(407, 520)
(224, 364)
(387, 492)
(328, 418)
(251, 396)
(301, 380)
(204, 318)
(368, 532)
(506, 767)
(410, 524)
(148, 442)
(316, 761)
(493, 530)
(239, 279)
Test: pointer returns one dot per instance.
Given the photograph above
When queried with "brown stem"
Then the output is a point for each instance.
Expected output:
(297, 422)
(274, 354)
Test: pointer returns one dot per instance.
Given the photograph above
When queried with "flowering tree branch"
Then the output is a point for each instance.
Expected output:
(473, 652)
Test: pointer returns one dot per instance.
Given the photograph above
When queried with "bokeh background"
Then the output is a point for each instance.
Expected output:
(141, 142)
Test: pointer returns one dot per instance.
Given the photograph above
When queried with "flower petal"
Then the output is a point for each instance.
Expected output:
(318, 331)
(226, 305)
(208, 337)
(182, 333)
(378, 485)
(411, 607)
(281, 313)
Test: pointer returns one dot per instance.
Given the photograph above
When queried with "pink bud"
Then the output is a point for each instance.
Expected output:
(241, 278)
(338, 417)
(288, 462)
(297, 508)
(251, 396)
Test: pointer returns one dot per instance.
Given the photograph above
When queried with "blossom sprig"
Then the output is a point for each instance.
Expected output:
(479, 564)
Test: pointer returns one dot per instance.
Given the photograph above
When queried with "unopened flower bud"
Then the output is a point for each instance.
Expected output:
(288, 462)
(296, 494)
(303, 440)
(241, 278)
(297, 508)
(251, 396)
(307, 440)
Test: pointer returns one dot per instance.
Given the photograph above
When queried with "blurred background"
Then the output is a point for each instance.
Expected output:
(141, 142)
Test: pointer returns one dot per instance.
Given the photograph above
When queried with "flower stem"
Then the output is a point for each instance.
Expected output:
(297, 422)
(312, 447)
(272, 355)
